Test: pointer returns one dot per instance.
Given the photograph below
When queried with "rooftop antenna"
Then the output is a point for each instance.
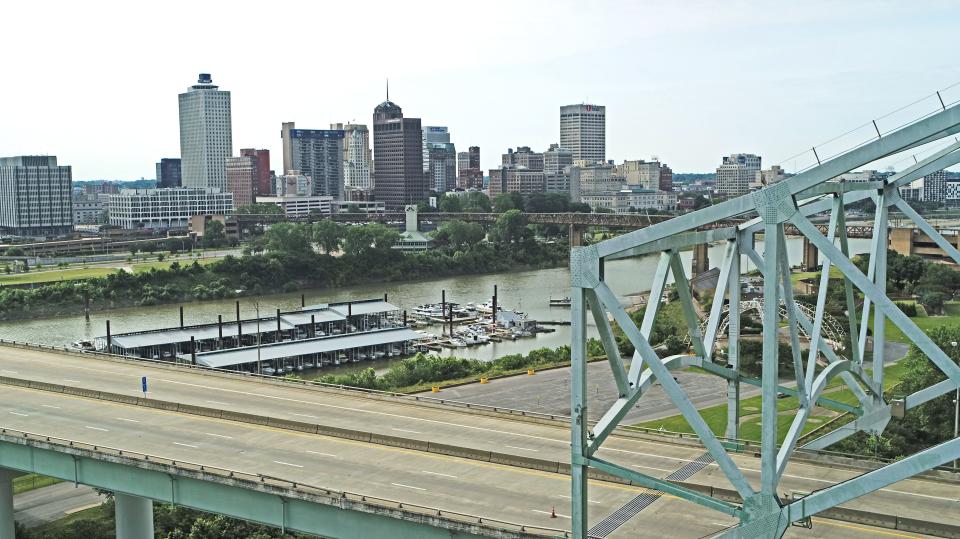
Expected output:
(388, 88)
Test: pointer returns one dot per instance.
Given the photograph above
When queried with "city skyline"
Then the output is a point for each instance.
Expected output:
(690, 76)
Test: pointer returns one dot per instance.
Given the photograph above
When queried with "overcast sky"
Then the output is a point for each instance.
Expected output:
(96, 83)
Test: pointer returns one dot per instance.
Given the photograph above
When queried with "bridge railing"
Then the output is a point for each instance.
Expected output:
(335, 496)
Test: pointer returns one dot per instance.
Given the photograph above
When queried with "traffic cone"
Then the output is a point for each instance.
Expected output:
(553, 512)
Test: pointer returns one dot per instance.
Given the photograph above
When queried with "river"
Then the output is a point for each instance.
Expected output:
(527, 291)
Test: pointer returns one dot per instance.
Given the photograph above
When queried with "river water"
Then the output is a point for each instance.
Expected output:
(527, 291)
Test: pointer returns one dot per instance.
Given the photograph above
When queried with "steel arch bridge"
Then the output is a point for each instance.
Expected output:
(832, 332)
(764, 511)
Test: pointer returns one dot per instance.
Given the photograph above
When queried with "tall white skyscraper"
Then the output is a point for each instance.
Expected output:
(433, 134)
(583, 131)
(206, 140)
(357, 159)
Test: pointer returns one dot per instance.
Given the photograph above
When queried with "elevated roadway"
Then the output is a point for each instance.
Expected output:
(471, 486)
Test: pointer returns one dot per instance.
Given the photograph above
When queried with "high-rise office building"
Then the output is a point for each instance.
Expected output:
(398, 177)
(242, 179)
(524, 157)
(583, 131)
(935, 187)
(357, 160)
(168, 173)
(35, 196)
(318, 154)
(666, 178)
(432, 134)
(640, 173)
(262, 184)
(206, 140)
(469, 173)
(736, 173)
(443, 166)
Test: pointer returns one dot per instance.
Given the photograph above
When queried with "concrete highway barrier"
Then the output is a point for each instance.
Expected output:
(928, 528)
(287, 424)
(462, 452)
(397, 441)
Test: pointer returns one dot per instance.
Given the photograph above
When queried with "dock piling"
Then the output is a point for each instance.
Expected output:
(109, 339)
(181, 317)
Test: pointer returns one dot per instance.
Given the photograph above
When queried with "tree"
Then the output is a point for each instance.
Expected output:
(580, 207)
(260, 208)
(288, 238)
(933, 302)
(459, 234)
(547, 203)
(366, 240)
(511, 227)
(938, 278)
(328, 235)
(507, 201)
(14, 251)
(476, 202)
(450, 204)
(214, 234)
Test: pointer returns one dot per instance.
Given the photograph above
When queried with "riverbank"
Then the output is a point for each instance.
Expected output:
(260, 274)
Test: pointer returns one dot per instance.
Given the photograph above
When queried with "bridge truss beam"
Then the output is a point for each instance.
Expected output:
(773, 211)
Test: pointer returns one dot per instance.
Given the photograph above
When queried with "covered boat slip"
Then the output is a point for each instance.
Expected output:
(306, 323)
(311, 353)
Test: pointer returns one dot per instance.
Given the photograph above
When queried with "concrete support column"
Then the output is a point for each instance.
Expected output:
(576, 236)
(134, 517)
(701, 259)
(6, 503)
(811, 256)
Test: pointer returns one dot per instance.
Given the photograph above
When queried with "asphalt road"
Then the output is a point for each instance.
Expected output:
(494, 491)
(43, 505)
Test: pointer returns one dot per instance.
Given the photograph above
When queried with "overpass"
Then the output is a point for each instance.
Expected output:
(347, 463)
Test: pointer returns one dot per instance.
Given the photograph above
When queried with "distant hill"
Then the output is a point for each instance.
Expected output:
(689, 177)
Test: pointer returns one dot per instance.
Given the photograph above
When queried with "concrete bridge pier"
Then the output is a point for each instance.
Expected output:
(134, 516)
(7, 530)
(811, 256)
(575, 235)
(701, 259)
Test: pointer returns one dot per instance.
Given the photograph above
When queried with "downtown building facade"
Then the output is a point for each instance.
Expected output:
(262, 181)
(737, 173)
(169, 173)
(935, 187)
(36, 197)
(357, 161)
(316, 153)
(583, 131)
(166, 208)
(206, 139)
(469, 173)
(242, 179)
(521, 171)
(398, 176)
(606, 186)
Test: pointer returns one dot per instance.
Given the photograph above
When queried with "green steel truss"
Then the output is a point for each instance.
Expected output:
(764, 512)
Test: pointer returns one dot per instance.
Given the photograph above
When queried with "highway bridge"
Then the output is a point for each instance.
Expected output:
(347, 463)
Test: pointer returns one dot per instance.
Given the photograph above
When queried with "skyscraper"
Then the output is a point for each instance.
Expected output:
(583, 131)
(206, 140)
(736, 172)
(242, 179)
(432, 134)
(443, 166)
(35, 196)
(316, 153)
(262, 184)
(469, 173)
(935, 187)
(397, 157)
(357, 160)
(168, 173)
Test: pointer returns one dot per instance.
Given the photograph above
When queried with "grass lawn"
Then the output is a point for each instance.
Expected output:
(716, 416)
(951, 317)
(44, 276)
(141, 267)
(58, 527)
(32, 481)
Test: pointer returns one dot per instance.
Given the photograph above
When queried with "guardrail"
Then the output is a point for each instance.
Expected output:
(681, 438)
(336, 497)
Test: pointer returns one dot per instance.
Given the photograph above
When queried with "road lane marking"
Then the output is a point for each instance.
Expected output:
(185, 445)
(406, 486)
(218, 435)
(127, 420)
(868, 530)
(73, 381)
(20, 413)
(218, 402)
(9, 371)
(549, 513)
(652, 468)
(438, 473)
(305, 415)
(321, 454)
(522, 448)
(95, 428)
(569, 498)
(50, 406)
(287, 464)
(407, 430)
(81, 508)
